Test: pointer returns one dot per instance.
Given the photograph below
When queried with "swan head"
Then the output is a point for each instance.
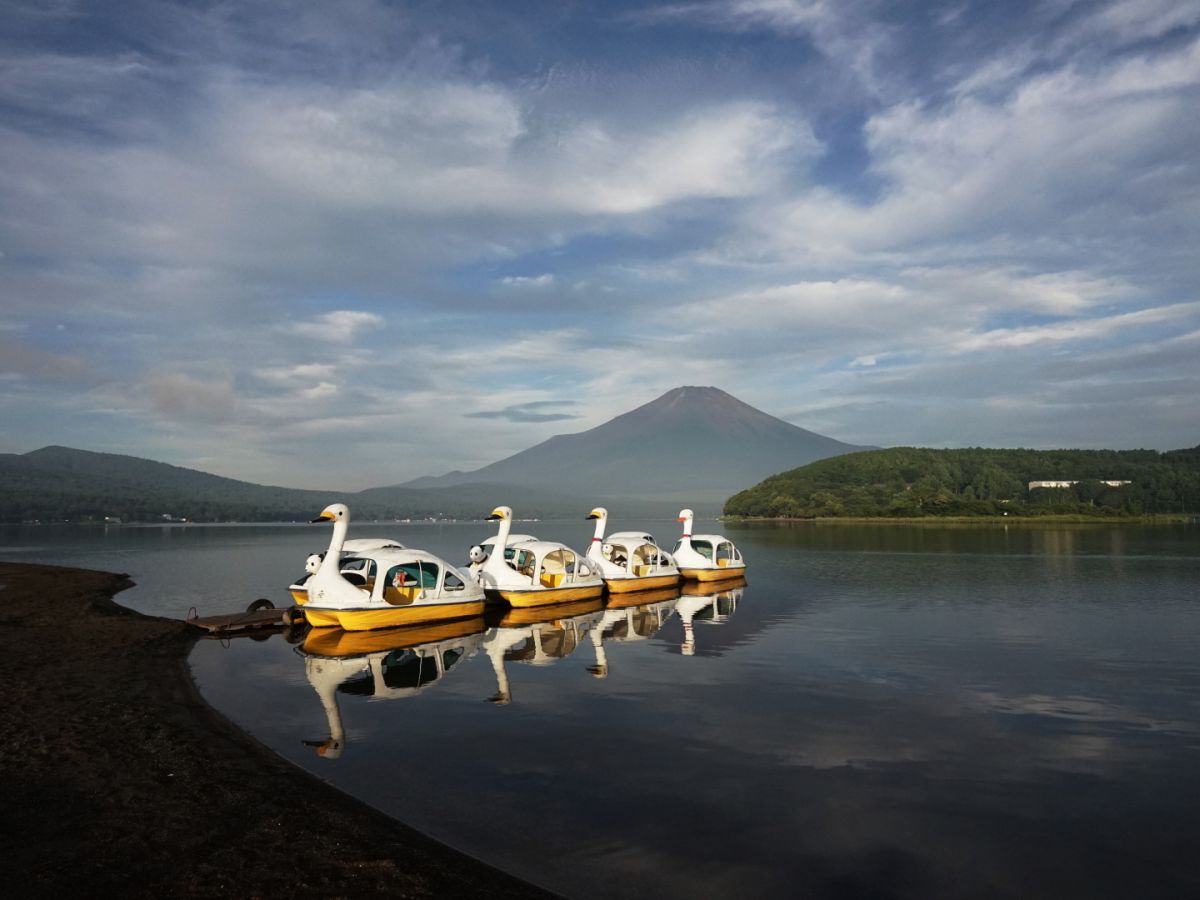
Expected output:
(500, 513)
(334, 512)
(598, 513)
(685, 514)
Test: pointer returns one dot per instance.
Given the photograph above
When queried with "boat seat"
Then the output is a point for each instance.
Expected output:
(552, 579)
(400, 596)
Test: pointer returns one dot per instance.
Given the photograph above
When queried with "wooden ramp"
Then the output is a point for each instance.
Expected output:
(236, 623)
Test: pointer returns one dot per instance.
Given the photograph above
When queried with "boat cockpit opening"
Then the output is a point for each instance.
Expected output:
(405, 582)
(359, 571)
(727, 554)
(558, 566)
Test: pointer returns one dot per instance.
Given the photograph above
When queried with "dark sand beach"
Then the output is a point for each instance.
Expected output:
(119, 779)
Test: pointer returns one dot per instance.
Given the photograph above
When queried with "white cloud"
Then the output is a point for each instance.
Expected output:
(1037, 168)
(1133, 20)
(466, 147)
(533, 281)
(320, 391)
(291, 375)
(1077, 331)
(340, 326)
(842, 30)
(1016, 226)
(914, 310)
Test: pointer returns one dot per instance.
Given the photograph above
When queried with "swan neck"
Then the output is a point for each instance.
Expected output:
(597, 536)
(333, 555)
(496, 559)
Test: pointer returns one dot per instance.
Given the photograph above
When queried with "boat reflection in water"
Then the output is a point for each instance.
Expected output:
(631, 617)
(711, 602)
(401, 662)
(537, 636)
(382, 665)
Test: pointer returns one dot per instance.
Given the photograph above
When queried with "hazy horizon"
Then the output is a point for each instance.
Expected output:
(359, 243)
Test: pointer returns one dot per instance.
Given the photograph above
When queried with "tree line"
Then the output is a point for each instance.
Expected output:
(915, 482)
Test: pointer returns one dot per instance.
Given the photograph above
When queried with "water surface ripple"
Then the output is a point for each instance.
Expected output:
(883, 711)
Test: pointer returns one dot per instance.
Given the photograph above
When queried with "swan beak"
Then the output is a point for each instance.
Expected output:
(496, 514)
(326, 517)
(591, 515)
(682, 519)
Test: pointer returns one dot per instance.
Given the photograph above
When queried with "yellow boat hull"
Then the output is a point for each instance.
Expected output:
(724, 573)
(547, 596)
(300, 597)
(391, 616)
(645, 583)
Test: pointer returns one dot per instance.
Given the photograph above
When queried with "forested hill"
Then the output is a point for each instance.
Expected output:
(913, 481)
(58, 484)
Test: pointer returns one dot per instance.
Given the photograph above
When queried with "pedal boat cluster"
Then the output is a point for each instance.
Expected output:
(373, 583)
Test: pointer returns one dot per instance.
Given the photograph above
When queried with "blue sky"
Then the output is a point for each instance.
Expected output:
(347, 244)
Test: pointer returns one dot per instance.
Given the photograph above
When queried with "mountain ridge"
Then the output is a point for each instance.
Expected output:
(692, 446)
(691, 439)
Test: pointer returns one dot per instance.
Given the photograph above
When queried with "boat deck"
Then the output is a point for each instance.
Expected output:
(235, 623)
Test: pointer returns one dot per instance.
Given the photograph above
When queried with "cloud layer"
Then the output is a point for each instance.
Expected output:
(268, 250)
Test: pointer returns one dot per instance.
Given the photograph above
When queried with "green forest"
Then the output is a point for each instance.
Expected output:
(917, 482)
(61, 484)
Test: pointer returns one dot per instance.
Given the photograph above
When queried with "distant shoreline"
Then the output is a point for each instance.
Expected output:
(1175, 519)
(120, 780)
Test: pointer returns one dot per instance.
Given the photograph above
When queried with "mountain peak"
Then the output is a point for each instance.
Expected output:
(695, 393)
(691, 442)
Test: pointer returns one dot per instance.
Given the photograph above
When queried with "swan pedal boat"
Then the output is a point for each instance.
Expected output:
(629, 560)
(400, 586)
(349, 563)
(706, 557)
(479, 553)
(539, 572)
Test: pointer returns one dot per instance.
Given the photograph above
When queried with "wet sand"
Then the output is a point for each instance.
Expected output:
(117, 778)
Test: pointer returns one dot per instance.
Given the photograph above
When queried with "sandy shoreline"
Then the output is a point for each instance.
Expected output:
(118, 778)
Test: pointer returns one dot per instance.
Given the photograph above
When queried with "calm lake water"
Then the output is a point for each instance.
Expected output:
(882, 711)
